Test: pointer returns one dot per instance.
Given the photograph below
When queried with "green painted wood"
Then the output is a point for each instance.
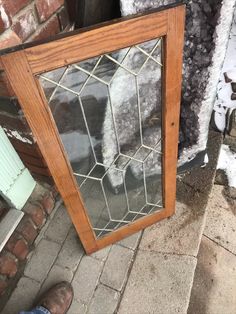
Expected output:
(8, 225)
(16, 183)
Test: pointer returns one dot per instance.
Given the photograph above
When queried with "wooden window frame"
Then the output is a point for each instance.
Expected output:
(25, 62)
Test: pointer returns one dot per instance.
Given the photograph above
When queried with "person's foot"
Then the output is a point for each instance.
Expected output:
(57, 300)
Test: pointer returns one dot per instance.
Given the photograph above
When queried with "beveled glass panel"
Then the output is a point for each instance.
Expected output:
(108, 111)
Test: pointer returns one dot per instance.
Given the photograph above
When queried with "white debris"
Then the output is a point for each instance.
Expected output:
(18, 136)
(206, 160)
(227, 162)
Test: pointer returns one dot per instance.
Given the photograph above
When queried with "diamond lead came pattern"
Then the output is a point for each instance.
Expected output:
(108, 111)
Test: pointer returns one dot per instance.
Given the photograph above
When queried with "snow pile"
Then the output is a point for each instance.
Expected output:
(224, 103)
(227, 162)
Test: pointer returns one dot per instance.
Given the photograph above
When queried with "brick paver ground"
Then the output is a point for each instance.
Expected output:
(100, 280)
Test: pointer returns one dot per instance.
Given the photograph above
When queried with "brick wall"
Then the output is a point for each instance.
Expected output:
(25, 21)
(15, 253)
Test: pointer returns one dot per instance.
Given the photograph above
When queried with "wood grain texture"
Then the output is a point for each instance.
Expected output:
(22, 66)
(43, 126)
(98, 41)
(173, 51)
(134, 227)
(1, 66)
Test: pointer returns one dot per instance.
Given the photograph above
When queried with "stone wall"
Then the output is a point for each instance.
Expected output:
(206, 36)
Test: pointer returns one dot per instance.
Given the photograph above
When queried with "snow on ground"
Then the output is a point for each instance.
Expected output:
(224, 102)
(227, 158)
(227, 162)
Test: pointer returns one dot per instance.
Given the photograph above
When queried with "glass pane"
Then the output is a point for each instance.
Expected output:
(108, 111)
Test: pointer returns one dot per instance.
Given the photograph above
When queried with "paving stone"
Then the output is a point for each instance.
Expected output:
(22, 297)
(221, 220)
(71, 252)
(77, 307)
(132, 241)
(102, 254)
(59, 226)
(41, 235)
(116, 267)
(42, 260)
(105, 301)
(56, 275)
(180, 234)
(215, 281)
(158, 284)
(86, 279)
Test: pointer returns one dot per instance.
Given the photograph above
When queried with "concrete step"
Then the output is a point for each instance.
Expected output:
(154, 275)
(215, 277)
(162, 276)
(163, 271)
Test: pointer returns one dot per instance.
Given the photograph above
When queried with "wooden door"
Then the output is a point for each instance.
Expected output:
(103, 105)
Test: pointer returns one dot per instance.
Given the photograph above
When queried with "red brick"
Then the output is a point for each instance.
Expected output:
(38, 192)
(46, 8)
(3, 285)
(27, 229)
(13, 6)
(8, 265)
(36, 213)
(48, 203)
(17, 246)
(63, 18)
(25, 25)
(51, 28)
(8, 40)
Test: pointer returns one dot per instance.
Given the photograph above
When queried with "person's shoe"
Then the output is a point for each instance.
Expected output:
(57, 300)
